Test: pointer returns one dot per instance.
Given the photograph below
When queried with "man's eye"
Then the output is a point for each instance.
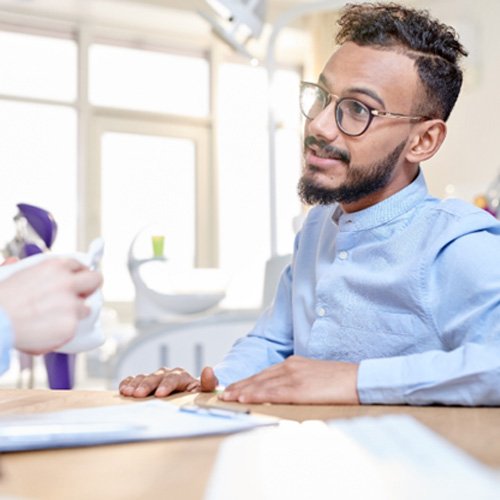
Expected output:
(355, 109)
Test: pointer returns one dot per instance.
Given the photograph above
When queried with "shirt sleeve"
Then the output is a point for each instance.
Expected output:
(461, 295)
(467, 376)
(269, 342)
(6, 341)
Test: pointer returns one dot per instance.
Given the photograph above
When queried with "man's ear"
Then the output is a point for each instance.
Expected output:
(426, 140)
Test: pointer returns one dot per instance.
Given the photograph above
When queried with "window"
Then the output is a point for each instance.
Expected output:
(145, 137)
(288, 156)
(151, 169)
(39, 138)
(244, 175)
(146, 80)
(148, 186)
(37, 66)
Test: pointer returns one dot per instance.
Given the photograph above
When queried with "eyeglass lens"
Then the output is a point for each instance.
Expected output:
(352, 116)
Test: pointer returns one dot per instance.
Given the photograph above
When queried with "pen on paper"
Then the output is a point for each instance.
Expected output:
(216, 411)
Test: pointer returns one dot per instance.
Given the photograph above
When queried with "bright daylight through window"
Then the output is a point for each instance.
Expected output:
(148, 158)
(39, 137)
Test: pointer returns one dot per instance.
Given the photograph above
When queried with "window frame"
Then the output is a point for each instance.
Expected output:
(91, 118)
(205, 216)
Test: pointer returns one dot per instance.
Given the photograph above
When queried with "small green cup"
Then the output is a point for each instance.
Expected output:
(158, 245)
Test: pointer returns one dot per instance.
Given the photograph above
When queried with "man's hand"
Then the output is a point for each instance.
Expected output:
(299, 380)
(166, 381)
(46, 301)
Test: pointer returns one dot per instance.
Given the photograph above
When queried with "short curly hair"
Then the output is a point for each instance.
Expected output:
(433, 46)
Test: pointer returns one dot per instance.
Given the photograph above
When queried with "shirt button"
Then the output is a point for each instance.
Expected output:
(343, 255)
(321, 311)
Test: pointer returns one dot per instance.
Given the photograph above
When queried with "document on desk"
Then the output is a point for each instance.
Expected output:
(139, 421)
(391, 457)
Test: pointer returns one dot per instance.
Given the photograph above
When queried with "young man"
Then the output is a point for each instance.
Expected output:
(40, 306)
(393, 296)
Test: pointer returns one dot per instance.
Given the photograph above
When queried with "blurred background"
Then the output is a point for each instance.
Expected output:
(177, 121)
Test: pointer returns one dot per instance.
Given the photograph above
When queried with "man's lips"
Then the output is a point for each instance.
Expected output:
(322, 160)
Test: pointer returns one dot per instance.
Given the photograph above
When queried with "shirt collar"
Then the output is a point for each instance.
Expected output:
(384, 211)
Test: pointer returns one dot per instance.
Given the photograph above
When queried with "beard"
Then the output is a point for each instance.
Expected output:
(360, 180)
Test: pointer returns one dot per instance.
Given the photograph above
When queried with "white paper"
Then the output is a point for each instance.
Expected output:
(139, 421)
(384, 458)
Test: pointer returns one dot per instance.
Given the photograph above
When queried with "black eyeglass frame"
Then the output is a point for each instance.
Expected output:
(372, 112)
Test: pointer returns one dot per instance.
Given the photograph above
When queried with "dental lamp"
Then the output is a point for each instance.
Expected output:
(237, 21)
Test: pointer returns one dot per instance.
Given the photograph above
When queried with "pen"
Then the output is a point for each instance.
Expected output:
(216, 411)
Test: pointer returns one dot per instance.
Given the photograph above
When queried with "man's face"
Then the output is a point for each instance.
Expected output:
(360, 171)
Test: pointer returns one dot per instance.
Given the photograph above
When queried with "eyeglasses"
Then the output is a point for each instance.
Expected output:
(353, 117)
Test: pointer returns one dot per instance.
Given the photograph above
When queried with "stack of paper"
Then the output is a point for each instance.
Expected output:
(386, 458)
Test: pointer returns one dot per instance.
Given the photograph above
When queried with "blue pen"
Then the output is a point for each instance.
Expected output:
(215, 411)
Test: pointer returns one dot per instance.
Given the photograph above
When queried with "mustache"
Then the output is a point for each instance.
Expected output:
(327, 150)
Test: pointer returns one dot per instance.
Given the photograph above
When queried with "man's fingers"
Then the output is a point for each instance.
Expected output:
(140, 386)
(209, 381)
(257, 379)
(175, 381)
(135, 381)
(273, 375)
(128, 385)
(194, 386)
(124, 385)
(161, 383)
(274, 392)
(255, 389)
(274, 384)
(298, 380)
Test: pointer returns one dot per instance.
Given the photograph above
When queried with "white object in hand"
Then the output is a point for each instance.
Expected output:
(88, 334)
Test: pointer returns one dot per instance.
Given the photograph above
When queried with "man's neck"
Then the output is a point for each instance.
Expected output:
(405, 179)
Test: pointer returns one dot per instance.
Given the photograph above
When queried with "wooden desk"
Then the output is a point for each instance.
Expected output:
(179, 469)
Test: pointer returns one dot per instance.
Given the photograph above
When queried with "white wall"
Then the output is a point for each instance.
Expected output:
(469, 159)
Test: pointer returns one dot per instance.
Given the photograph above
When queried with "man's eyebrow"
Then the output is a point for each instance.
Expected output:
(322, 79)
(369, 93)
(355, 90)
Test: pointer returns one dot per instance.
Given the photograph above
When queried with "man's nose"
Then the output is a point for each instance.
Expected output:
(324, 125)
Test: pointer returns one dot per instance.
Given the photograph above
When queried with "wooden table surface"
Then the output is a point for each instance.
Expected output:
(179, 469)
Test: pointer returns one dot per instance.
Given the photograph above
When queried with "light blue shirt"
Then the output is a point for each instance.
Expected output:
(6, 341)
(408, 288)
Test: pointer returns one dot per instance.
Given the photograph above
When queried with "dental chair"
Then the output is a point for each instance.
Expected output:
(195, 343)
